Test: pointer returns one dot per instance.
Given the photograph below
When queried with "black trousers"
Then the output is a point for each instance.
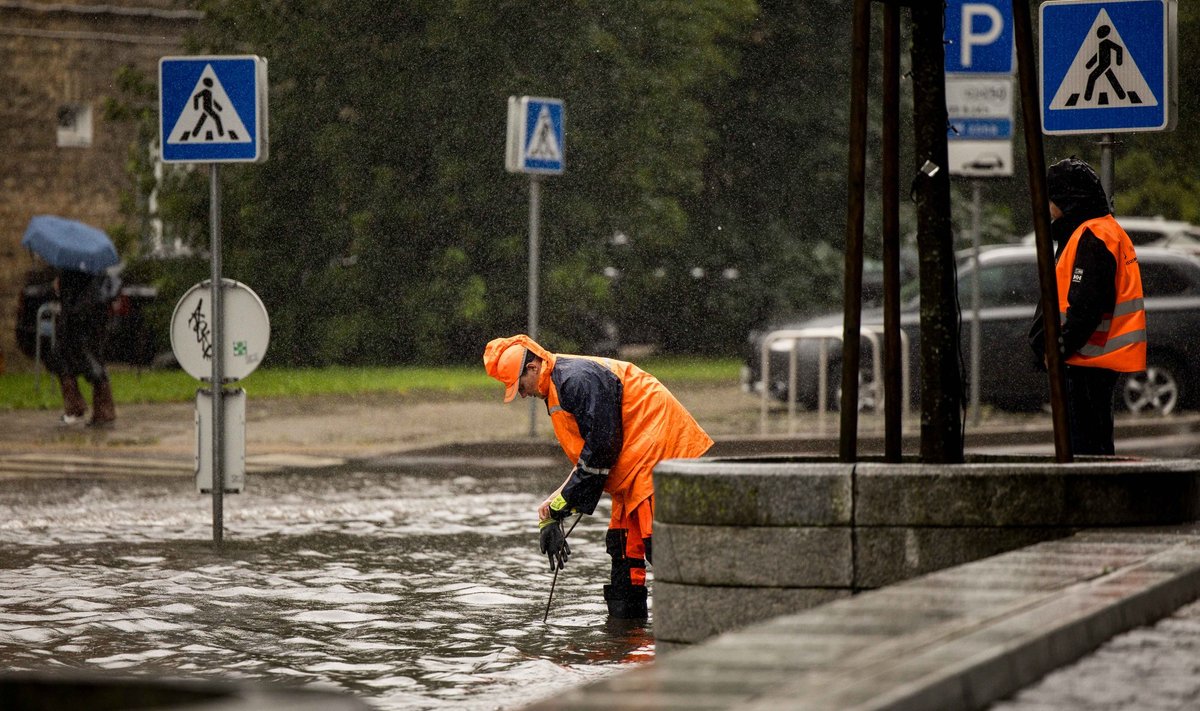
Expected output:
(1090, 409)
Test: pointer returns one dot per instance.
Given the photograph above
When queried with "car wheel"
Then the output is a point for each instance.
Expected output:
(1157, 391)
(868, 394)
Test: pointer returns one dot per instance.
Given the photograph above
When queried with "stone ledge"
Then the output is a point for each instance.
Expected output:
(758, 492)
(807, 523)
(957, 639)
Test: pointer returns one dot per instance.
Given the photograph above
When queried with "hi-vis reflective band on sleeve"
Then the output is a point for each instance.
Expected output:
(592, 470)
(558, 503)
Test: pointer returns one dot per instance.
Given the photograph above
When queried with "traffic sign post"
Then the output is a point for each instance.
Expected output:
(979, 87)
(979, 142)
(979, 37)
(192, 341)
(1108, 66)
(213, 109)
(535, 144)
(980, 52)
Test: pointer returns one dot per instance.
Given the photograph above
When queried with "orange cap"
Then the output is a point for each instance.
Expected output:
(503, 360)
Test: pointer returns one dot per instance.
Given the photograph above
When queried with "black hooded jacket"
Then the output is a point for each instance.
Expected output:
(1075, 188)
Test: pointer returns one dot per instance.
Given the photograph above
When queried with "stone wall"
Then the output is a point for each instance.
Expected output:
(738, 541)
(60, 56)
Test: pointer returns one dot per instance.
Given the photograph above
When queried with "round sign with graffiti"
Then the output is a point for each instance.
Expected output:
(246, 331)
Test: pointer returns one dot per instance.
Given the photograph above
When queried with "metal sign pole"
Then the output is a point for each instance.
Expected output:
(976, 325)
(535, 195)
(217, 377)
(1107, 141)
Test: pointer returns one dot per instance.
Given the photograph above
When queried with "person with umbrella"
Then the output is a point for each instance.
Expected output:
(81, 255)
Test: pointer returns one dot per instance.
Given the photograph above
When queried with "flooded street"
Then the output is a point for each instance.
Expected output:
(410, 588)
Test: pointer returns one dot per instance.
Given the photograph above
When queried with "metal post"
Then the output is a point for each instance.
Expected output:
(852, 310)
(1107, 142)
(218, 374)
(535, 195)
(1036, 159)
(976, 325)
(893, 375)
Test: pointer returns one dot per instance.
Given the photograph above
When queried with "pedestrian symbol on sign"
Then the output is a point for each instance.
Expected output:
(544, 144)
(1108, 73)
(209, 116)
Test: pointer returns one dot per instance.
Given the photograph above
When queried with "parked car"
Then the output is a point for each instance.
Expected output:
(129, 338)
(1155, 232)
(1009, 378)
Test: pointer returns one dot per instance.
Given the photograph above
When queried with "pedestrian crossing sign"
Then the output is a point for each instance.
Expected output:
(212, 109)
(1108, 66)
(535, 141)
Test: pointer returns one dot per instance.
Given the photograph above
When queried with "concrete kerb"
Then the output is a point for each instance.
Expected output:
(736, 535)
(956, 639)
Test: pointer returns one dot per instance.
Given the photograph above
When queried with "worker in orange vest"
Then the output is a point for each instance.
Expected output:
(1099, 303)
(615, 422)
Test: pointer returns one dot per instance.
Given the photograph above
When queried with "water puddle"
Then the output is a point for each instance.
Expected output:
(409, 590)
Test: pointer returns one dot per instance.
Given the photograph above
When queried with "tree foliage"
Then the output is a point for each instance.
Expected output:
(383, 227)
(704, 189)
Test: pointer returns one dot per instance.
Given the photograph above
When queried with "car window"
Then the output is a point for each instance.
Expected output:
(1008, 284)
(1162, 279)
(1143, 237)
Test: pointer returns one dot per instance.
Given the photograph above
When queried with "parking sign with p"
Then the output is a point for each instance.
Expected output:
(979, 37)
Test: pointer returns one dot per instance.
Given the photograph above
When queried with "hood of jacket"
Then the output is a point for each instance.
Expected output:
(1074, 187)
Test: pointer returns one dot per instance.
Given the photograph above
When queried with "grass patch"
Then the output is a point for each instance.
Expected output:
(20, 391)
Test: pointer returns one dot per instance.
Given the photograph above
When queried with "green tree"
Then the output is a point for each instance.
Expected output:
(383, 227)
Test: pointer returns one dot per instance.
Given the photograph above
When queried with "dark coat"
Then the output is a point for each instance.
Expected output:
(1075, 188)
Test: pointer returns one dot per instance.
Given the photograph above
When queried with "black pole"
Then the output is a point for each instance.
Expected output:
(1040, 203)
(892, 363)
(852, 319)
(941, 378)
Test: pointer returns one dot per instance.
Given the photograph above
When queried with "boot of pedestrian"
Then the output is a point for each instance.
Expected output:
(104, 412)
(627, 602)
(74, 406)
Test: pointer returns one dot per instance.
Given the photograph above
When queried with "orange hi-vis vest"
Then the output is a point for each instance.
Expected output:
(1119, 342)
(655, 426)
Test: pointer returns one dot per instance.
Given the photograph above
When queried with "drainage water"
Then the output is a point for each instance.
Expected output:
(409, 590)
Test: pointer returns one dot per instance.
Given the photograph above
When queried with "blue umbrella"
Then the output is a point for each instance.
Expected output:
(67, 244)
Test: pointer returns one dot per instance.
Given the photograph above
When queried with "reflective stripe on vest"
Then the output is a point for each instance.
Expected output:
(1119, 341)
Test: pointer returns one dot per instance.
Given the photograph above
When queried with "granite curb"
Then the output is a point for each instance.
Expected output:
(960, 638)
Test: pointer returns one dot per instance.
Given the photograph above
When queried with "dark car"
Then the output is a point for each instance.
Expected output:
(1009, 378)
(129, 338)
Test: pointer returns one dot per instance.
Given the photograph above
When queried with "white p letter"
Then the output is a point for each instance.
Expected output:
(969, 37)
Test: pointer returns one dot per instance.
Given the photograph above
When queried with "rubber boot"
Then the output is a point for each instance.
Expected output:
(74, 406)
(104, 412)
(627, 602)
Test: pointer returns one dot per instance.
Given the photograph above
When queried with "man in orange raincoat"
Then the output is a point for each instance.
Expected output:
(615, 422)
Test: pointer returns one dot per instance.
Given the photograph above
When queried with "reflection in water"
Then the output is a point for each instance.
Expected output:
(412, 591)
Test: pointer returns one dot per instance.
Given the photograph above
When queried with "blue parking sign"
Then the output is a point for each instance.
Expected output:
(212, 109)
(1108, 66)
(979, 36)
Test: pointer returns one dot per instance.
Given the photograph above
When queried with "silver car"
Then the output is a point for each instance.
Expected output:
(1009, 378)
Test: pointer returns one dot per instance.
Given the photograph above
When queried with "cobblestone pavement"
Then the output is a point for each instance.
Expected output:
(1152, 668)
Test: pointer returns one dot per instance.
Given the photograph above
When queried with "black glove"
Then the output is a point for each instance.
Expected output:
(554, 545)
